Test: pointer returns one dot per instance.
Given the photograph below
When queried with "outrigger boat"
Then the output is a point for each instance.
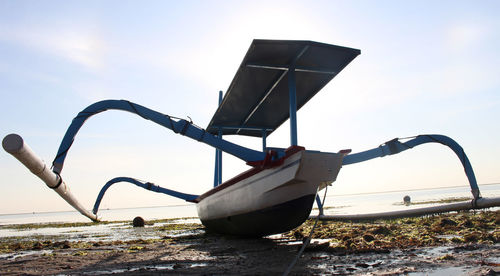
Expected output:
(275, 79)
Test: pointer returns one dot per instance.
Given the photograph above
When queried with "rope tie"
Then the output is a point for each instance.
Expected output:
(308, 240)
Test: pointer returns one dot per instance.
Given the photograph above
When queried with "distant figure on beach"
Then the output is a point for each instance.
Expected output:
(407, 200)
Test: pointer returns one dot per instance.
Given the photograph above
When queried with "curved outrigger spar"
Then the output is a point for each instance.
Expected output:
(274, 80)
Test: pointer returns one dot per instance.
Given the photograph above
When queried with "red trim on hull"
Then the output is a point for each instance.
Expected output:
(264, 164)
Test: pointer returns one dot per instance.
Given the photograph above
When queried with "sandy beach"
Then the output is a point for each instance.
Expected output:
(464, 243)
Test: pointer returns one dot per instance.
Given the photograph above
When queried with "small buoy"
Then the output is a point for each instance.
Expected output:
(407, 200)
(138, 222)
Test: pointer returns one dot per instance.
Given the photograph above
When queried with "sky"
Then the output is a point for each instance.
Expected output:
(425, 67)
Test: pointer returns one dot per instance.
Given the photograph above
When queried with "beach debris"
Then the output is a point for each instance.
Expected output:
(491, 272)
(472, 237)
(368, 238)
(447, 222)
(363, 265)
(446, 257)
(80, 253)
(381, 230)
(138, 222)
(317, 247)
(135, 248)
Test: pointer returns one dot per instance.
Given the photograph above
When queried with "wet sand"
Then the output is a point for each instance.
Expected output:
(452, 244)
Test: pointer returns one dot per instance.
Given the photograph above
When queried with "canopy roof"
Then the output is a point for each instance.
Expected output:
(257, 99)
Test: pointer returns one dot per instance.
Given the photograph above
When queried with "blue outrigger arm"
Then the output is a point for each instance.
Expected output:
(394, 146)
(148, 186)
(177, 125)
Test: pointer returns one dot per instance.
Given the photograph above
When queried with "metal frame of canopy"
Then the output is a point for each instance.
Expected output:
(245, 110)
(260, 98)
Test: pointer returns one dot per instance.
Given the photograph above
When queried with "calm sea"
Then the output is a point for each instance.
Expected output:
(343, 204)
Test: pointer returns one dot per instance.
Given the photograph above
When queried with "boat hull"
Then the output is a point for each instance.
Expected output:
(275, 219)
(261, 202)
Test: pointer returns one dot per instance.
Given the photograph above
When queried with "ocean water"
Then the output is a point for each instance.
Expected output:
(334, 204)
(393, 201)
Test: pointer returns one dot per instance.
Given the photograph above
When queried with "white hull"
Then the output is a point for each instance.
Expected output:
(300, 175)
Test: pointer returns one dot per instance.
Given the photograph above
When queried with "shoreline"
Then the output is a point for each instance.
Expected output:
(460, 243)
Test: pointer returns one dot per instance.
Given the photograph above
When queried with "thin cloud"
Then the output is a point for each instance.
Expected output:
(464, 37)
(85, 49)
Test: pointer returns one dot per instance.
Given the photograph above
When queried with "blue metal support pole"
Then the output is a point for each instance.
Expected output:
(395, 146)
(292, 94)
(219, 152)
(216, 168)
(264, 138)
(320, 205)
(147, 186)
(219, 160)
(179, 126)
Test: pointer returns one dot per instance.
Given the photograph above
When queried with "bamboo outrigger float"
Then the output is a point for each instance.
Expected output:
(274, 80)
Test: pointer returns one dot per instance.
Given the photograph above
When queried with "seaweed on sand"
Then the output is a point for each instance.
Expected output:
(380, 235)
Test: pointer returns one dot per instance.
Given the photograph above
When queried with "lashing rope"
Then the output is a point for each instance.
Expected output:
(308, 240)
